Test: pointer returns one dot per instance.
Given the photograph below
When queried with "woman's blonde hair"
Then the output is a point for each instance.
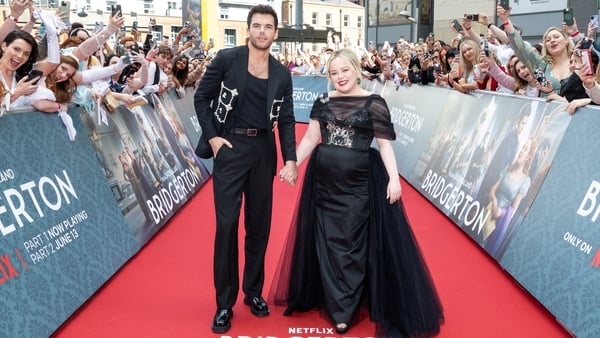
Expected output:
(545, 55)
(467, 65)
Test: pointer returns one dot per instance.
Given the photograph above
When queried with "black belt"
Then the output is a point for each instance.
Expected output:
(248, 132)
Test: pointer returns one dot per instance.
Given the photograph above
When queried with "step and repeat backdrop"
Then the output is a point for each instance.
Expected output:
(518, 175)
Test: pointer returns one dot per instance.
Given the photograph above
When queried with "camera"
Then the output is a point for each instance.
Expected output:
(472, 17)
(540, 77)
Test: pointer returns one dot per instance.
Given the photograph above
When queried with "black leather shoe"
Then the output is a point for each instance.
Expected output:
(341, 328)
(221, 322)
(257, 305)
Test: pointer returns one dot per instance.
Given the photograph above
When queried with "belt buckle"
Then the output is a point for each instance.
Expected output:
(251, 132)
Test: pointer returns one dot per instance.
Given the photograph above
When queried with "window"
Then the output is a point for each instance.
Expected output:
(359, 21)
(346, 20)
(328, 19)
(224, 13)
(315, 18)
(230, 37)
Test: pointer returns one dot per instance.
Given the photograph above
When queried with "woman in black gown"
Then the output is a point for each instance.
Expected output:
(350, 243)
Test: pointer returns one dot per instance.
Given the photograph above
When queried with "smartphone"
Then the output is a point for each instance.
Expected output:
(34, 73)
(457, 26)
(65, 8)
(568, 16)
(485, 47)
(472, 17)
(187, 24)
(586, 43)
(504, 4)
(134, 25)
(586, 58)
(593, 22)
(540, 77)
(116, 9)
(454, 66)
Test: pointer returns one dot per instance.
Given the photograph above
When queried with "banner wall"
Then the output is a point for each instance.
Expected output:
(518, 175)
(73, 212)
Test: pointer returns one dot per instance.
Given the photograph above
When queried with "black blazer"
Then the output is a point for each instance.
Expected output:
(223, 86)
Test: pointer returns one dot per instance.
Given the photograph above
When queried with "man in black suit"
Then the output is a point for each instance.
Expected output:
(244, 94)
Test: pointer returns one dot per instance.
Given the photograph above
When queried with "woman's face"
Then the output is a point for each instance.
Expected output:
(524, 152)
(522, 71)
(467, 52)
(15, 54)
(63, 72)
(342, 75)
(181, 64)
(555, 42)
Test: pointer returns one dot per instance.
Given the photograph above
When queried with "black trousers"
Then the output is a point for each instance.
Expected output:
(244, 171)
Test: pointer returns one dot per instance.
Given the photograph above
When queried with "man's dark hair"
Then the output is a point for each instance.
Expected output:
(262, 9)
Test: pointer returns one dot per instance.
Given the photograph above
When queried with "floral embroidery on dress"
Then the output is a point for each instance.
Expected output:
(340, 135)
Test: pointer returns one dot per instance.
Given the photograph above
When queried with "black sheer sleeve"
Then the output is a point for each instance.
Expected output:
(382, 122)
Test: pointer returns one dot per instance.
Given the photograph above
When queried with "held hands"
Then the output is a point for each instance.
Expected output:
(289, 173)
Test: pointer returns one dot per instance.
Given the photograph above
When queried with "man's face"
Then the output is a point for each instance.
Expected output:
(163, 60)
(262, 31)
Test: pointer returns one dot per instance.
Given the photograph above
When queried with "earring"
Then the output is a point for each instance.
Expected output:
(358, 80)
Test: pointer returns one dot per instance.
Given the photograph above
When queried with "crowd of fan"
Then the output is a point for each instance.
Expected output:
(63, 63)
(564, 66)
(80, 66)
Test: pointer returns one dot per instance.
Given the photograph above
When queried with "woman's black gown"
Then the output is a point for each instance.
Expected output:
(347, 245)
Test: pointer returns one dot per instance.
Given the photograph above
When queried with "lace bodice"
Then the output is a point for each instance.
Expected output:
(353, 121)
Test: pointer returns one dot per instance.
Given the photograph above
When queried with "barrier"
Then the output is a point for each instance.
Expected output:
(456, 149)
(72, 213)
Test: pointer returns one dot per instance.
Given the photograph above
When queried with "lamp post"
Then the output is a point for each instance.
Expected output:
(339, 46)
(413, 19)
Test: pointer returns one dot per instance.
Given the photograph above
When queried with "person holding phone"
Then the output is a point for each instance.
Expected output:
(17, 57)
(590, 77)
(554, 60)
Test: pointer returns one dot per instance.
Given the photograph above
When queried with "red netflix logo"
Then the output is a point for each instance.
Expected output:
(596, 260)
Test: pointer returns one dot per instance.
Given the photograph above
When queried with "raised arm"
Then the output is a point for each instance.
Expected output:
(17, 8)
(91, 45)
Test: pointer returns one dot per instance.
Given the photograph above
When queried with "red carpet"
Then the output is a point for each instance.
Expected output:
(167, 289)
